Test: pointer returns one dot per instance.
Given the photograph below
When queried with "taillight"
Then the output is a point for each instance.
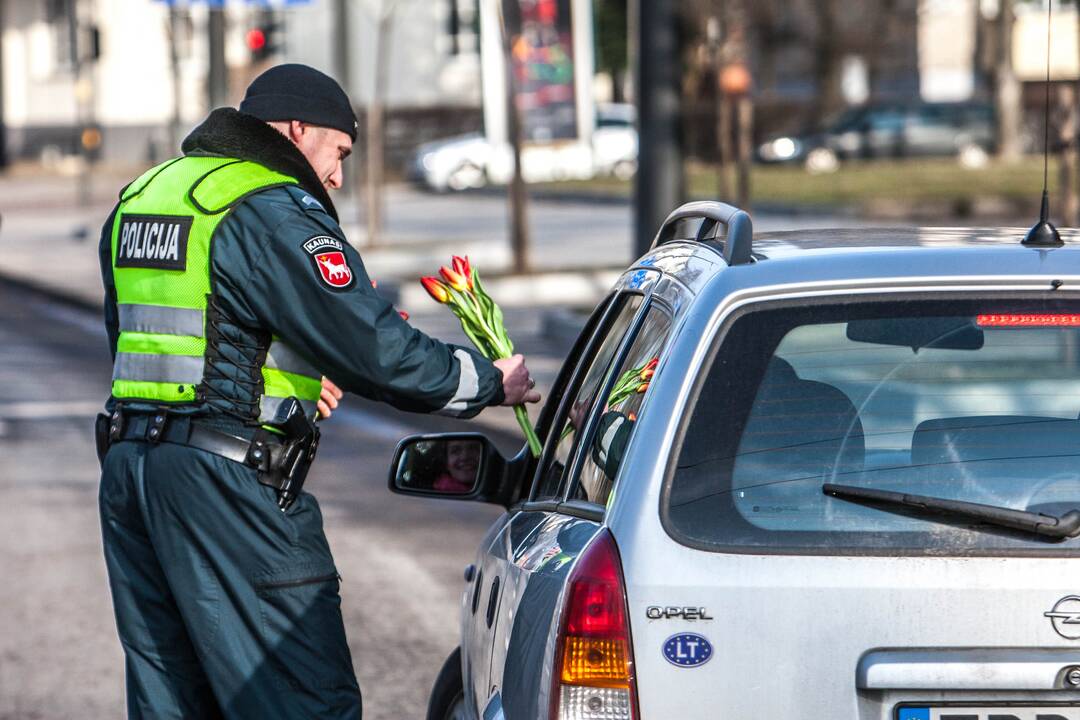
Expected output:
(594, 659)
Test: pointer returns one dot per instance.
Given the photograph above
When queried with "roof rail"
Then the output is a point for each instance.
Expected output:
(739, 240)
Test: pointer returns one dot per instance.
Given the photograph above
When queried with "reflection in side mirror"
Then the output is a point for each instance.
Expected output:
(448, 465)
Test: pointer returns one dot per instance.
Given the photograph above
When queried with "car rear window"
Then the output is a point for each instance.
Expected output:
(973, 401)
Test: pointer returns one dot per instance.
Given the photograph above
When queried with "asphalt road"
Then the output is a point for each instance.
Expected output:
(401, 559)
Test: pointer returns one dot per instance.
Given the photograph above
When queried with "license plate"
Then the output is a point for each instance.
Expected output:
(1001, 712)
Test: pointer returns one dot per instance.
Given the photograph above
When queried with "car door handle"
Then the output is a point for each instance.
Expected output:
(476, 590)
(493, 601)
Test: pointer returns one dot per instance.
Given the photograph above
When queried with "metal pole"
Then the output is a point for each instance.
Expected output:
(83, 98)
(341, 42)
(375, 138)
(659, 186)
(174, 68)
(217, 79)
(3, 123)
(341, 69)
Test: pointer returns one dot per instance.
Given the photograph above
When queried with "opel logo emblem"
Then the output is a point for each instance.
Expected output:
(1066, 617)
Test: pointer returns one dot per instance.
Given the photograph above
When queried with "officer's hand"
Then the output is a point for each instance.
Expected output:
(517, 385)
(328, 400)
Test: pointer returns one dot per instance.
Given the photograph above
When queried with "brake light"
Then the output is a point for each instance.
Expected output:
(1037, 320)
(594, 658)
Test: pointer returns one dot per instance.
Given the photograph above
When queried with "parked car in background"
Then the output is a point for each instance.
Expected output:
(806, 475)
(966, 130)
(470, 161)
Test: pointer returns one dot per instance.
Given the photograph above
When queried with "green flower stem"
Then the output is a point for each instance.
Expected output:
(526, 426)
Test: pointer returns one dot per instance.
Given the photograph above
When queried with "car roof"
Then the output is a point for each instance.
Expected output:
(822, 255)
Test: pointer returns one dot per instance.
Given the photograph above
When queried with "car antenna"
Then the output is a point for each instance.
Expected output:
(1043, 233)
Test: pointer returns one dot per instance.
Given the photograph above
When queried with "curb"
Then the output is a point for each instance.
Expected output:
(552, 196)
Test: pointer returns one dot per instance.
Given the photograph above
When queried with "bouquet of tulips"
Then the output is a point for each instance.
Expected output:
(481, 319)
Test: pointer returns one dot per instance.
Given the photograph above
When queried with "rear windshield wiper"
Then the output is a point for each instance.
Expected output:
(1066, 526)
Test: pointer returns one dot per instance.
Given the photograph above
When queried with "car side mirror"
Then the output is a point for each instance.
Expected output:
(454, 466)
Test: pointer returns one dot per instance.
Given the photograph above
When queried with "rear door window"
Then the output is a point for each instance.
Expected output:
(616, 417)
(589, 375)
(972, 401)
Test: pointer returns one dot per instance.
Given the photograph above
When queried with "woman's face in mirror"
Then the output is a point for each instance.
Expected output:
(463, 460)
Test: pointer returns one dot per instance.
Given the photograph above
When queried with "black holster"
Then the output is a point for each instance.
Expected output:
(284, 460)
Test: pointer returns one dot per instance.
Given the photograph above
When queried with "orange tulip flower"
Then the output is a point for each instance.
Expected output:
(462, 267)
(454, 279)
(436, 289)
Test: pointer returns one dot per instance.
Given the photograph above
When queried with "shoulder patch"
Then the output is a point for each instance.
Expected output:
(328, 256)
(310, 201)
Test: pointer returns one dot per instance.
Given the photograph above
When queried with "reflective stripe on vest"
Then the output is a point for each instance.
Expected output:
(287, 374)
(147, 367)
(161, 319)
(282, 357)
(161, 349)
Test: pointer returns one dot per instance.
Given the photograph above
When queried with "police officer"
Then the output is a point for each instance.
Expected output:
(231, 295)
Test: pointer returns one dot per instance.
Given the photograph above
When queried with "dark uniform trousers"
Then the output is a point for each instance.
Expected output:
(225, 605)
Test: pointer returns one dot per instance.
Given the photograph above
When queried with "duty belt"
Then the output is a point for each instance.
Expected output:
(281, 462)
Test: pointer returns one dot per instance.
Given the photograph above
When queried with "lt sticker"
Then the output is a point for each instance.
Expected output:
(687, 650)
(329, 257)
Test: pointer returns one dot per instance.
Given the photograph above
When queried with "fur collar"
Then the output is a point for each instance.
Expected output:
(231, 133)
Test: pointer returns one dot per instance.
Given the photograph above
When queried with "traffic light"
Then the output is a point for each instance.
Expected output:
(264, 40)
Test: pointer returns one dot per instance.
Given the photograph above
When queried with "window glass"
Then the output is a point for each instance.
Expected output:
(967, 401)
(885, 120)
(595, 368)
(620, 411)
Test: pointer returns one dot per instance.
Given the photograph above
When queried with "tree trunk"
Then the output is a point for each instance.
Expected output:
(876, 50)
(723, 132)
(1067, 167)
(1007, 89)
(828, 60)
(746, 146)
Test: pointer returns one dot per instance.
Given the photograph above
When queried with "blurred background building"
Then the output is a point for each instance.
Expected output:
(138, 73)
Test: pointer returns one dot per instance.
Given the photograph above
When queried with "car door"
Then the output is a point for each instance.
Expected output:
(527, 562)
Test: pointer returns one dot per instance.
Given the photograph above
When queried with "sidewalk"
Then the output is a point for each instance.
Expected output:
(49, 241)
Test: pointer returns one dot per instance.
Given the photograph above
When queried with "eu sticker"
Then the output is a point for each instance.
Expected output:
(687, 650)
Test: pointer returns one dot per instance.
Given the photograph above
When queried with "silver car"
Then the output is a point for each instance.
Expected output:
(828, 474)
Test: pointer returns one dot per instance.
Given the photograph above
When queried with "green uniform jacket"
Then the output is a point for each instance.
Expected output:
(265, 280)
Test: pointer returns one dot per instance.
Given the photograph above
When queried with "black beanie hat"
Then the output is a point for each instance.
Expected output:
(299, 92)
